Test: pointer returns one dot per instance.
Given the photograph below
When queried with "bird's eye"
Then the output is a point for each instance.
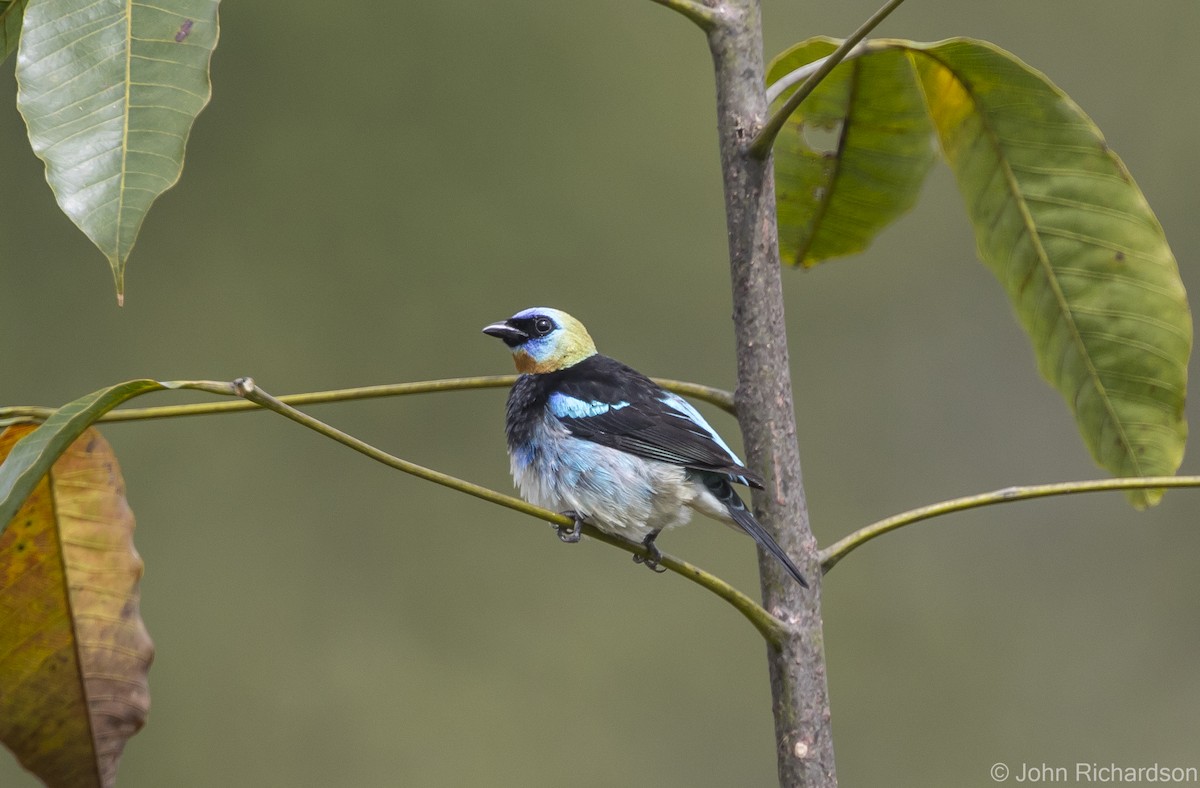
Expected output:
(543, 326)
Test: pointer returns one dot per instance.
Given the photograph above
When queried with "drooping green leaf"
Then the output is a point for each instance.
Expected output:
(109, 90)
(74, 653)
(834, 198)
(10, 26)
(1061, 223)
(32, 457)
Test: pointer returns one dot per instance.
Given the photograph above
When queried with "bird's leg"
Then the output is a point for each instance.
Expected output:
(571, 535)
(651, 561)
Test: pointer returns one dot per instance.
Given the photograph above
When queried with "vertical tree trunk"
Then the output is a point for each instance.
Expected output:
(764, 398)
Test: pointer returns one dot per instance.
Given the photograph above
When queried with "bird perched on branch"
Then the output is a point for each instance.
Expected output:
(602, 443)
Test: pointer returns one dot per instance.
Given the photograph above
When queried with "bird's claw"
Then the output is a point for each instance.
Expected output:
(650, 563)
(573, 534)
(652, 560)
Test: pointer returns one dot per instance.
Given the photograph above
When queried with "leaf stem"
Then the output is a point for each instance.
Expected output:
(761, 146)
(776, 88)
(18, 414)
(831, 555)
(768, 626)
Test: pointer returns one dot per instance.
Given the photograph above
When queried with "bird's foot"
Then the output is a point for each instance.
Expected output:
(651, 561)
(571, 535)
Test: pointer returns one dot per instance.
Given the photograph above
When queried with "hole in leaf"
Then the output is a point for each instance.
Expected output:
(824, 138)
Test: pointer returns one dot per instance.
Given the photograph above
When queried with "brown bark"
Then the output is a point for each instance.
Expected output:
(764, 399)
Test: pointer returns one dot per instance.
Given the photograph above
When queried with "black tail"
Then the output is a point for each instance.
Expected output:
(745, 520)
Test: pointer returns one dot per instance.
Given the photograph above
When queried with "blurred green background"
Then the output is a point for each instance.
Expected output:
(368, 189)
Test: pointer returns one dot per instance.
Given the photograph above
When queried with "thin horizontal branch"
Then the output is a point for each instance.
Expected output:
(840, 549)
(256, 399)
(18, 414)
(761, 146)
(767, 625)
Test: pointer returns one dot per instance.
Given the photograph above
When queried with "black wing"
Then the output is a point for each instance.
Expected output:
(608, 403)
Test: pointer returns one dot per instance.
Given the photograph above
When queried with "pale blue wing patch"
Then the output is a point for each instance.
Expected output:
(684, 410)
(565, 406)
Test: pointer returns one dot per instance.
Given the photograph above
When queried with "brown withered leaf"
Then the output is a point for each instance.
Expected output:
(74, 653)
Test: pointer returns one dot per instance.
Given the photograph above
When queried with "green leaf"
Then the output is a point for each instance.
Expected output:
(109, 90)
(834, 198)
(1061, 223)
(10, 26)
(32, 457)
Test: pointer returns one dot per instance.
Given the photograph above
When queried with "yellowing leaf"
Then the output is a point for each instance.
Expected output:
(74, 653)
(1057, 217)
(1061, 223)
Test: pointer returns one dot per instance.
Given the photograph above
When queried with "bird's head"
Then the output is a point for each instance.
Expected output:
(543, 339)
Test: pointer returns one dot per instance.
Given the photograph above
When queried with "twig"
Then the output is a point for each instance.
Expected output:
(761, 146)
(19, 414)
(776, 88)
(770, 627)
(838, 550)
(704, 16)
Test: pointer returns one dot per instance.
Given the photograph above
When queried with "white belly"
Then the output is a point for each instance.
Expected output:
(615, 491)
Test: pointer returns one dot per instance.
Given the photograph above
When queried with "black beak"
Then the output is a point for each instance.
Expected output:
(511, 336)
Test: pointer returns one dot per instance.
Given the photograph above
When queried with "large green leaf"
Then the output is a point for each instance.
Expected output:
(1058, 220)
(1061, 223)
(32, 457)
(109, 90)
(835, 198)
(10, 26)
